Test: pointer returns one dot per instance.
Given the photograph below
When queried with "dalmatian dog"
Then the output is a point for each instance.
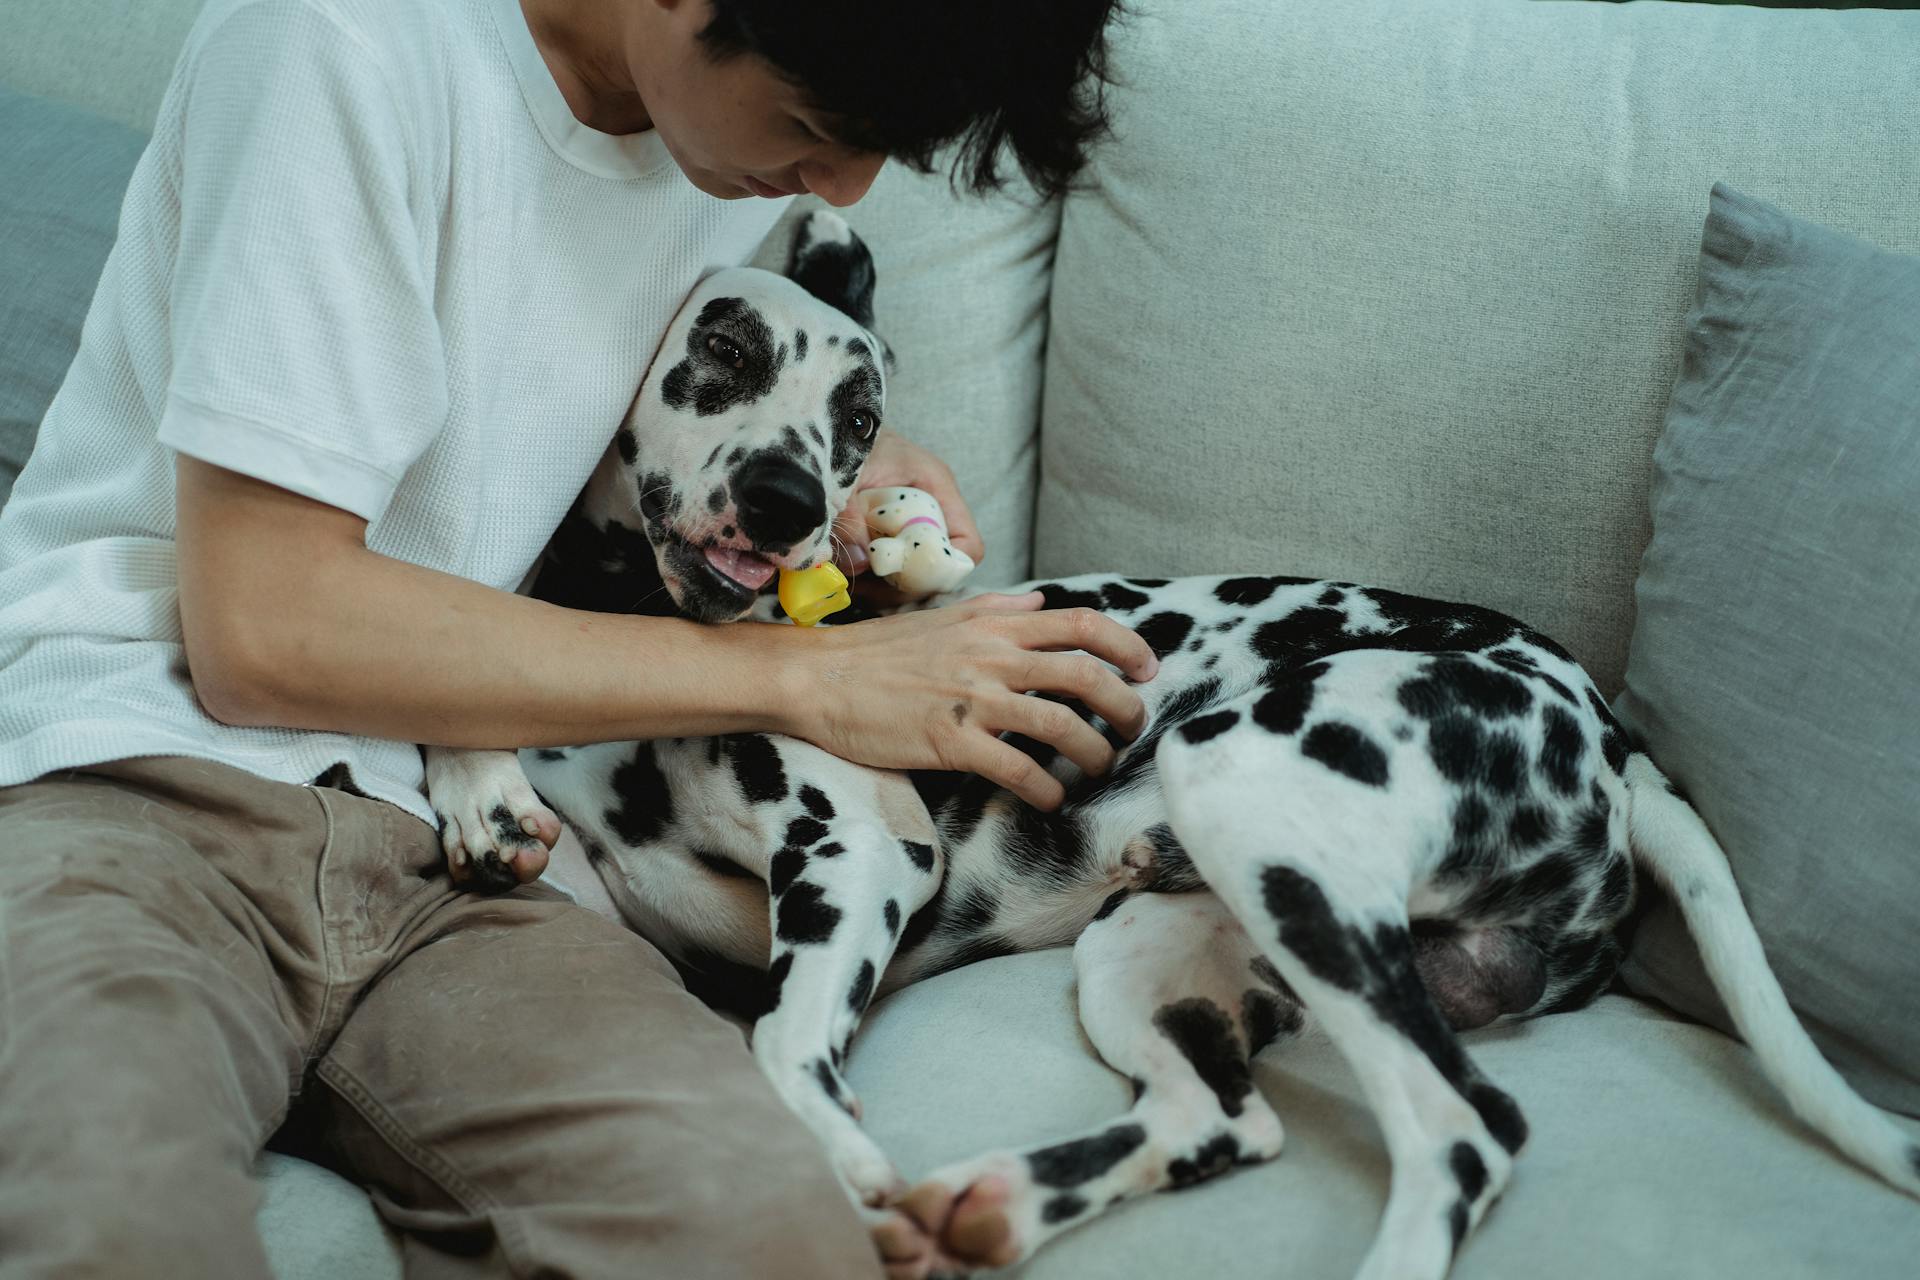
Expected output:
(1399, 817)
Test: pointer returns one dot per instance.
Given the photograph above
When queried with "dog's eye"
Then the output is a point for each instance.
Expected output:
(727, 351)
(863, 423)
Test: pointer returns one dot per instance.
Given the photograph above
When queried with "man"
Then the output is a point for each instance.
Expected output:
(386, 280)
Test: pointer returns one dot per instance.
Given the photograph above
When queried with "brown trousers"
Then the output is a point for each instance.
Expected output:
(528, 1090)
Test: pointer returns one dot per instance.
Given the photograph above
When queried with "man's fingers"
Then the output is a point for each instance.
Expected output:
(850, 541)
(1025, 603)
(1087, 681)
(1014, 769)
(1095, 633)
(1061, 727)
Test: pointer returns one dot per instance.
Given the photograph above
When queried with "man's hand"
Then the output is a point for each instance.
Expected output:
(897, 460)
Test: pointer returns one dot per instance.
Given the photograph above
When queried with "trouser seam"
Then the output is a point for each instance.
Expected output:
(330, 961)
(455, 1185)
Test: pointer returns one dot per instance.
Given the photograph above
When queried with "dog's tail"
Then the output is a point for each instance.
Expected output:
(1671, 842)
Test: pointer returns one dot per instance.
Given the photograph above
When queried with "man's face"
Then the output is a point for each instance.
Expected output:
(735, 127)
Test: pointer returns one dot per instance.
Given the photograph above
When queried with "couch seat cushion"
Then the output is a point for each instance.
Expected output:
(1657, 1149)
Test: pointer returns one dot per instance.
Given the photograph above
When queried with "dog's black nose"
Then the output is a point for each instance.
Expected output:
(779, 502)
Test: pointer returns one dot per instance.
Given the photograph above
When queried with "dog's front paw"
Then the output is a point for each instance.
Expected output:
(493, 828)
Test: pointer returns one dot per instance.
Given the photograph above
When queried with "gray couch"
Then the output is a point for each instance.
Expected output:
(1388, 290)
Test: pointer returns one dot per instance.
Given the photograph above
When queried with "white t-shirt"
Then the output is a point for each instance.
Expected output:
(369, 256)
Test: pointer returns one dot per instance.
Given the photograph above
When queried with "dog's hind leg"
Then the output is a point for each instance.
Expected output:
(1174, 995)
(1315, 842)
(840, 890)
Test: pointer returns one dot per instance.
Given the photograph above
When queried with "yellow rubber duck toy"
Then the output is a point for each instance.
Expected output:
(809, 595)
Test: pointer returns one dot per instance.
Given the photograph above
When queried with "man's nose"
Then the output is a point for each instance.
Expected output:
(844, 179)
(779, 503)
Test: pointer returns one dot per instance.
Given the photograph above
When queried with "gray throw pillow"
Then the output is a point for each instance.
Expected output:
(63, 173)
(1775, 664)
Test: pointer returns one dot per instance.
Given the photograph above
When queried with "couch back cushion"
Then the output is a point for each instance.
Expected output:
(1394, 290)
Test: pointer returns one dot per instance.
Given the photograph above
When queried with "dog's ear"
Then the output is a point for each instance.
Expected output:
(832, 263)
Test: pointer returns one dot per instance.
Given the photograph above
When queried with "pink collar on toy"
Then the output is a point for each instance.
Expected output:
(919, 520)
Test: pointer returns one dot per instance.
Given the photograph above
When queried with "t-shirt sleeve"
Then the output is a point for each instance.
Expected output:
(306, 351)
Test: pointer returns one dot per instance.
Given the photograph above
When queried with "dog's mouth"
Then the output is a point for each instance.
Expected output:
(740, 567)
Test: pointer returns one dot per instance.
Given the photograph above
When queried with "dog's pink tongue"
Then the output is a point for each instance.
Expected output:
(744, 567)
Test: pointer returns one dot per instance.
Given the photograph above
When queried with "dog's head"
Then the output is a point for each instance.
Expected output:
(754, 421)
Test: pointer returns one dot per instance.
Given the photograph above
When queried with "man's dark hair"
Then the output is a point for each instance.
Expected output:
(910, 77)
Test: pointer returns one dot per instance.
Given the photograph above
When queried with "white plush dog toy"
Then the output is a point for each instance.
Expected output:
(912, 552)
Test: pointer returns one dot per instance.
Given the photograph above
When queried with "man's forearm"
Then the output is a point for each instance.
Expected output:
(361, 643)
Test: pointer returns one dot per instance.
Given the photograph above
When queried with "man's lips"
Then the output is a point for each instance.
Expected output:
(766, 189)
(749, 570)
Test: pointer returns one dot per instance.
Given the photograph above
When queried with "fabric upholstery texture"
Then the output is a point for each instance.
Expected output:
(62, 172)
(1393, 290)
(1773, 668)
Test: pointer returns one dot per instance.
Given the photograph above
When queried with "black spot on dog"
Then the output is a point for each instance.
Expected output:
(831, 849)
(1055, 596)
(1265, 1018)
(1283, 708)
(784, 869)
(1112, 904)
(1212, 725)
(971, 913)
(716, 499)
(1051, 845)
(816, 803)
(1345, 749)
(804, 915)
(1149, 583)
(549, 755)
(804, 831)
(799, 345)
(1118, 597)
(858, 394)
(1245, 592)
(629, 447)
(1500, 1114)
(1262, 968)
(921, 855)
(1310, 929)
(708, 379)
(1203, 1033)
(862, 989)
(1300, 635)
(756, 767)
(891, 914)
(1061, 1207)
(676, 389)
(1529, 826)
(1331, 597)
(339, 776)
(645, 804)
(1561, 750)
(1464, 752)
(1216, 1156)
(830, 1085)
(1451, 683)
(721, 865)
(1590, 831)
(1069, 1164)
(1165, 632)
